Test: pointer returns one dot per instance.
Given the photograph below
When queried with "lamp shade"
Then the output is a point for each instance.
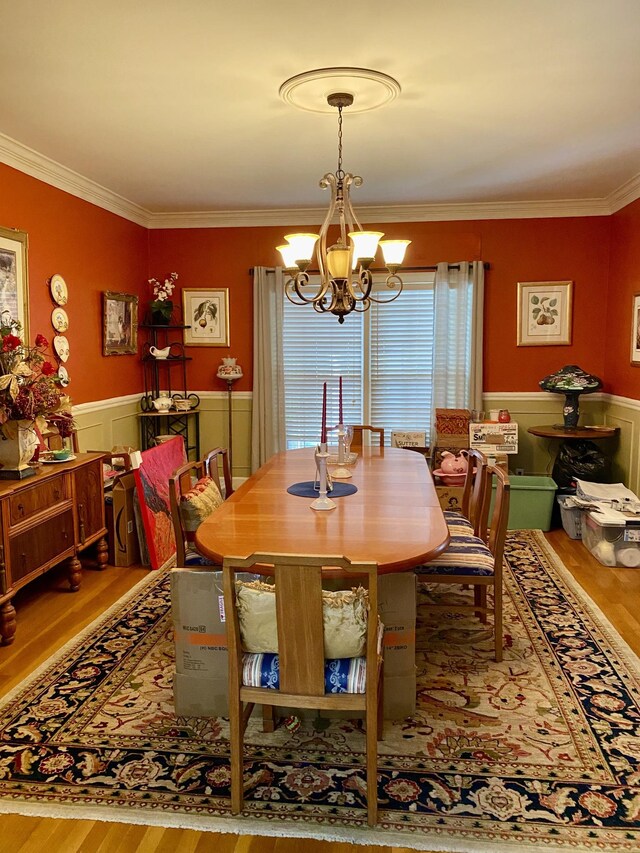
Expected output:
(288, 256)
(339, 261)
(393, 251)
(571, 381)
(302, 245)
(365, 244)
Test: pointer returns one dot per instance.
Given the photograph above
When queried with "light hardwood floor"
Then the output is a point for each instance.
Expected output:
(49, 616)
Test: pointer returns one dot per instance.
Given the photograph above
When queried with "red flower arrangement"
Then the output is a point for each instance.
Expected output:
(29, 386)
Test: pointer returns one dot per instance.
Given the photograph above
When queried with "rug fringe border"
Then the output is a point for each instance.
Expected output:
(378, 836)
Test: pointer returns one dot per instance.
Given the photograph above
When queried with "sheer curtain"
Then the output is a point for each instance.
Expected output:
(457, 356)
(267, 418)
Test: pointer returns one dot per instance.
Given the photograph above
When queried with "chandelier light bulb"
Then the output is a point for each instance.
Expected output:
(288, 256)
(393, 251)
(302, 245)
(365, 244)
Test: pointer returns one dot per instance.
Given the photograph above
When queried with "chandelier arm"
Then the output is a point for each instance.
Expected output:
(328, 181)
(391, 281)
(293, 288)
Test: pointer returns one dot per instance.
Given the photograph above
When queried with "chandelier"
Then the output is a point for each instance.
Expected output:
(346, 280)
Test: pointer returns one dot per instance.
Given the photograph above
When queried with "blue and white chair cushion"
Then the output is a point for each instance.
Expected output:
(341, 675)
(456, 521)
(465, 555)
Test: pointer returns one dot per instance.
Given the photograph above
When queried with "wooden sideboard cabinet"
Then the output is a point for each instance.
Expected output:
(46, 519)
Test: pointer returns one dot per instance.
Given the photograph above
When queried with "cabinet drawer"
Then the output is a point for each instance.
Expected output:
(36, 548)
(39, 497)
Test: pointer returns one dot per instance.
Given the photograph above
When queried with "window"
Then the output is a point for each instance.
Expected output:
(385, 358)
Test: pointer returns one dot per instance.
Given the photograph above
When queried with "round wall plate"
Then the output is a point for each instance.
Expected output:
(61, 346)
(63, 376)
(59, 290)
(59, 320)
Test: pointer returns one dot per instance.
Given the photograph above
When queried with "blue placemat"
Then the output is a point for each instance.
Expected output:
(306, 490)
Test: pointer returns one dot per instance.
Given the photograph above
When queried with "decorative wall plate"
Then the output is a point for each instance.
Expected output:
(61, 346)
(59, 291)
(63, 376)
(59, 320)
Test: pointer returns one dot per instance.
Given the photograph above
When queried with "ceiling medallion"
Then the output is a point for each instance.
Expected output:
(310, 90)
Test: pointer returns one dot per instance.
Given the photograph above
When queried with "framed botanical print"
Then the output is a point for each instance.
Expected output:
(544, 313)
(206, 313)
(635, 331)
(120, 323)
(14, 282)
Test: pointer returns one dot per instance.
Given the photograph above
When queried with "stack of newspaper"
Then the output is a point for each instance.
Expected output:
(615, 503)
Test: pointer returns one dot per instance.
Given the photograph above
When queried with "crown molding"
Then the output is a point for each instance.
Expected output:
(26, 160)
(32, 163)
(385, 213)
(624, 195)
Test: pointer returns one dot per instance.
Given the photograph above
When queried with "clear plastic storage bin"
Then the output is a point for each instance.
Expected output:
(612, 544)
(571, 518)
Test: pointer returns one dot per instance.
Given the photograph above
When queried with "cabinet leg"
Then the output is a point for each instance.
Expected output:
(7, 622)
(74, 570)
(102, 553)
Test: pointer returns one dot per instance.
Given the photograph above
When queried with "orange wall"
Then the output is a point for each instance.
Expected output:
(518, 250)
(94, 251)
(624, 282)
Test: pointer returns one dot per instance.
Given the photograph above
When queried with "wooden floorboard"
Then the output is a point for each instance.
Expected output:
(49, 616)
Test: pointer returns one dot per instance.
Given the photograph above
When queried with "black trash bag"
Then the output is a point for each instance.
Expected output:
(582, 460)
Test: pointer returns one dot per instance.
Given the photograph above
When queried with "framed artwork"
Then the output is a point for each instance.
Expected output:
(544, 313)
(635, 331)
(14, 283)
(207, 314)
(120, 323)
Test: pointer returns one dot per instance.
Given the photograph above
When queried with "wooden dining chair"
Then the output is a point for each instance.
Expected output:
(295, 673)
(474, 511)
(358, 435)
(54, 441)
(470, 560)
(195, 490)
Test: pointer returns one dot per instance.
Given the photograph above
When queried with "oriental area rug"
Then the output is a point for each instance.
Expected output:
(541, 751)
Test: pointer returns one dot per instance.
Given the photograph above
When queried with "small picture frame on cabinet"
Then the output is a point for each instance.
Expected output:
(120, 323)
(635, 331)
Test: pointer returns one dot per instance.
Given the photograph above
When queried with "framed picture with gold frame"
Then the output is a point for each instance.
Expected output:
(206, 316)
(14, 281)
(635, 331)
(120, 323)
(544, 313)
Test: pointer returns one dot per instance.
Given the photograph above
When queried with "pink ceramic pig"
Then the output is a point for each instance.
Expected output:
(451, 464)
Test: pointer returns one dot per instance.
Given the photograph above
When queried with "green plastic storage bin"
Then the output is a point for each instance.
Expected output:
(531, 502)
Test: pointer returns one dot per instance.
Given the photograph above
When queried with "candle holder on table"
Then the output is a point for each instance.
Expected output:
(344, 442)
(322, 502)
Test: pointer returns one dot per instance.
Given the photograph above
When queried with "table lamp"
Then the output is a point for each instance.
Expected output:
(571, 381)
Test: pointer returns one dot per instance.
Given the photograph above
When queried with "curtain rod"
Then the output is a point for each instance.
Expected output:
(432, 268)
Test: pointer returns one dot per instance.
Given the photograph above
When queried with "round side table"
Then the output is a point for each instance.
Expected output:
(561, 433)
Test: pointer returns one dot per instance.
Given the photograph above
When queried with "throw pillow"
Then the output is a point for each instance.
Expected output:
(199, 502)
(344, 616)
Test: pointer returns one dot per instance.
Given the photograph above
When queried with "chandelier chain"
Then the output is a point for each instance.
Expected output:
(339, 172)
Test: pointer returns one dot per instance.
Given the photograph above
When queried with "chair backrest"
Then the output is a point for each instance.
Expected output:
(358, 435)
(499, 516)
(182, 481)
(298, 585)
(54, 441)
(475, 495)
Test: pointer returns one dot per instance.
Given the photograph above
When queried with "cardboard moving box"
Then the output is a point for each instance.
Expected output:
(121, 525)
(397, 609)
(200, 679)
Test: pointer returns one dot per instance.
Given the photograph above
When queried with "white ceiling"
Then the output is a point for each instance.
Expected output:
(173, 105)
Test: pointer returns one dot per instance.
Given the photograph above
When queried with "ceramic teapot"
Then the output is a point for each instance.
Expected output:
(160, 353)
(454, 464)
(163, 404)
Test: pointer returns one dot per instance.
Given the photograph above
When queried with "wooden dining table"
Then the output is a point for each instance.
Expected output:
(394, 518)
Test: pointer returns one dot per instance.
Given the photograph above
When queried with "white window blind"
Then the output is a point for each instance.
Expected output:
(385, 357)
